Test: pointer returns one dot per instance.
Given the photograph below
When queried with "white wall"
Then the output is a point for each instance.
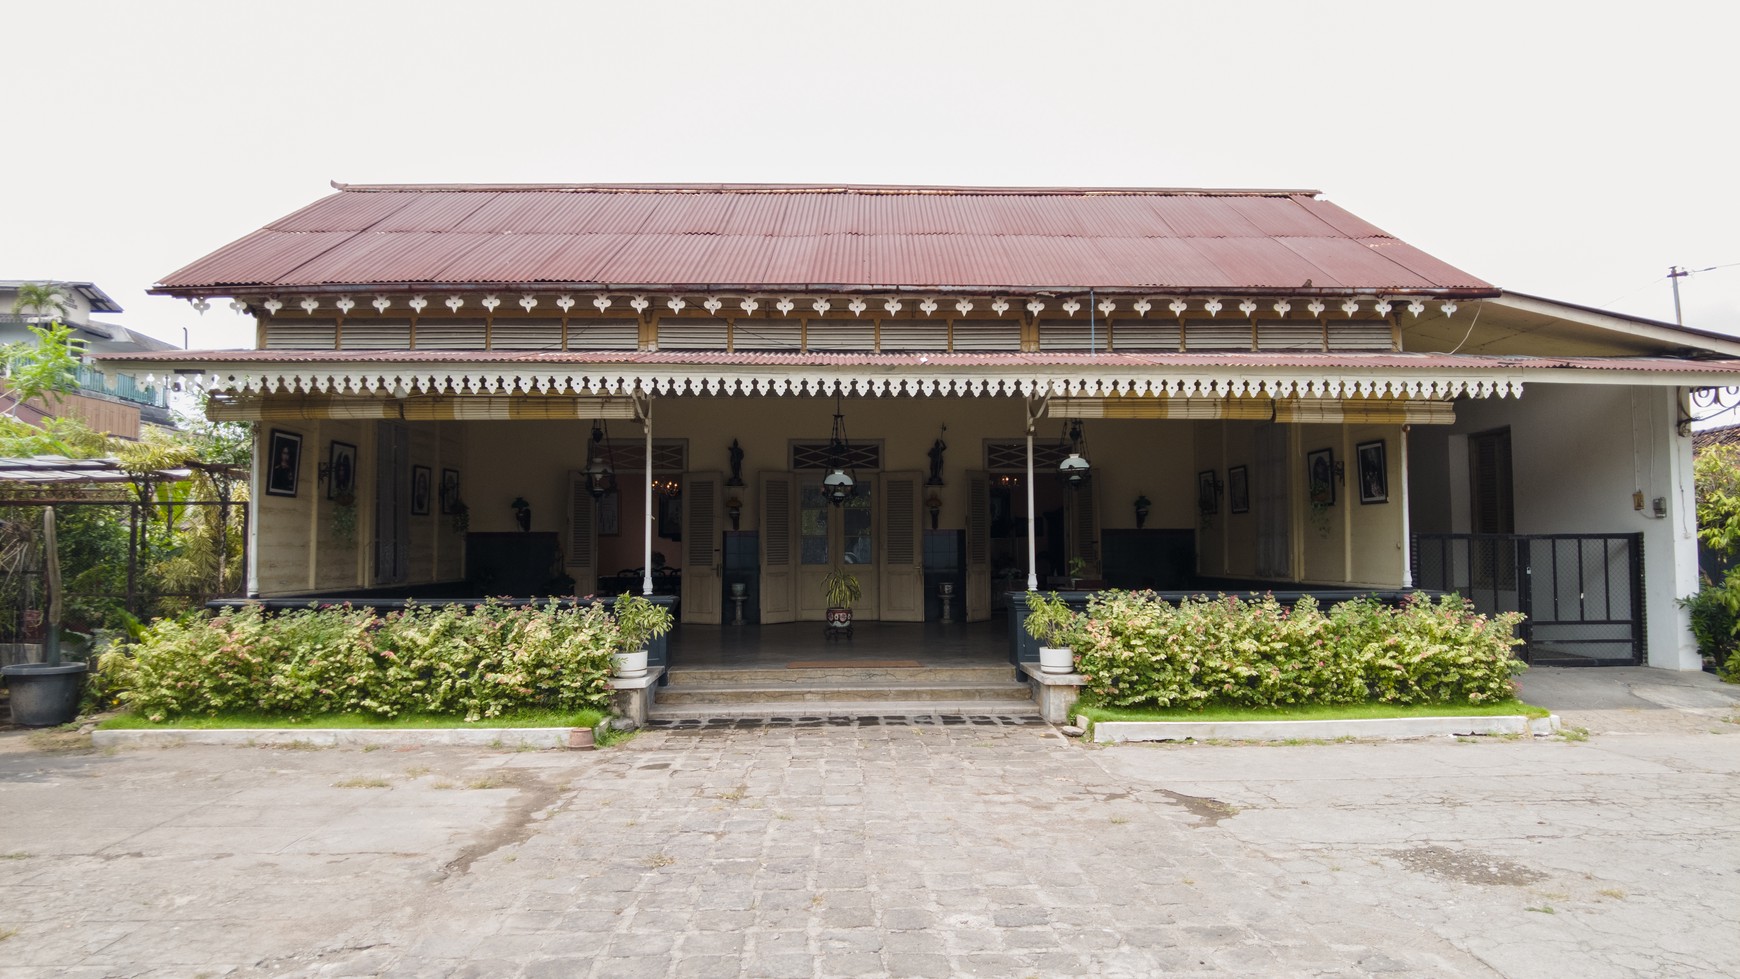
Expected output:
(1578, 453)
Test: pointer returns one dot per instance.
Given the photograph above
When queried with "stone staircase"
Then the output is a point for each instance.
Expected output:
(841, 691)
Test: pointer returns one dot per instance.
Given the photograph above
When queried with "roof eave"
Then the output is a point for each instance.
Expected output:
(210, 290)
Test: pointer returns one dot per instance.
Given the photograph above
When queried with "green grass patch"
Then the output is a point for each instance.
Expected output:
(1314, 713)
(250, 721)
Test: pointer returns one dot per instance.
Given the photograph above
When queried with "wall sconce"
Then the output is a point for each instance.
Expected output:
(522, 512)
(1142, 505)
(734, 507)
(933, 503)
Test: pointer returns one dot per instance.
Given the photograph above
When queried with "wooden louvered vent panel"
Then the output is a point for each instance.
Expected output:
(1290, 336)
(699, 535)
(1218, 336)
(603, 335)
(776, 523)
(526, 335)
(450, 335)
(780, 334)
(1145, 335)
(1011, 457)
(290, 335)
(859, 334)
(1076, 334)
(677, 334)
(377, 335)
(1359, 336)
(901, 535)
(914, 335)
(971, 335)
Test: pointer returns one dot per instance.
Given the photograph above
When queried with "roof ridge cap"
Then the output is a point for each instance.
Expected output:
(832, 188)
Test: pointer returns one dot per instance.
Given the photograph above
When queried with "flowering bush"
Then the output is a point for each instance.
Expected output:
(1137, 650)
(474, 663)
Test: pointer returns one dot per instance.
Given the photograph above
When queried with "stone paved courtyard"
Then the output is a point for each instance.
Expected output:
(976, 848)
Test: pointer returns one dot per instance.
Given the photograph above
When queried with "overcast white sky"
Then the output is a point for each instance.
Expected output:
(1570, 150)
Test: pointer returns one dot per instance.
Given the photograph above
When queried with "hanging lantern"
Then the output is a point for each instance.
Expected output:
(1074, 468)
(838, 485)
(600, 474)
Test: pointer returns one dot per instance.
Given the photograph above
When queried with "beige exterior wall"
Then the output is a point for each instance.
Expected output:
(298, 547)
(1348, 543)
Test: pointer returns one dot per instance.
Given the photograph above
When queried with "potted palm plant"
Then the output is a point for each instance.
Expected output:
(638, 622)
(1051, 621)
(841, 591)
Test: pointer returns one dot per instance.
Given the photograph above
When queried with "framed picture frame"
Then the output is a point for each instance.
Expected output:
(1374, 471)
(284, 471)
(422, 478)
(1238, 489)
(1207, 493)
(341, 471)
(449, 491)
(610, 513)
(1320, 477)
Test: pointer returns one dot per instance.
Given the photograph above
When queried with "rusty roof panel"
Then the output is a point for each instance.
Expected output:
(1265, 262)
(750, 238)
(1346, 224)
(342, 212)
(264, 256)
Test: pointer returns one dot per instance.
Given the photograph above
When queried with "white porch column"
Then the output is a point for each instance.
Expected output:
(1032, 545)
(646, 582)
(1673, 574)
(256, 488)
(1407, 525)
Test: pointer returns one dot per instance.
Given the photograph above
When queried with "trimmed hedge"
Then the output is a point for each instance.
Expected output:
(1137, 650)
(453, 660)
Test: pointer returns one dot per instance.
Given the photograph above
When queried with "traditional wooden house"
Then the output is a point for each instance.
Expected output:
(723, 391)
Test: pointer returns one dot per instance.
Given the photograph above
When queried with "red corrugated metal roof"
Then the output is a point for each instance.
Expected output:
(772, 239)
(1058, 359)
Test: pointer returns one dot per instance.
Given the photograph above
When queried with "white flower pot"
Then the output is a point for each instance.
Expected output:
(629, 665)
(1056, 659)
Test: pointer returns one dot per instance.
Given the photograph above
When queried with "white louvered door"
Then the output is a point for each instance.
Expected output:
(902, 548)
(978, 546)
(779, 553)
(580, 557)
(703, 544)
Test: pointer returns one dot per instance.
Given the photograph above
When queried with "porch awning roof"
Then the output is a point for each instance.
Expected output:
(1409, 375)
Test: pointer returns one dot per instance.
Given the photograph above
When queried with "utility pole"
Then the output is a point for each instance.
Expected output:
(1675, 274)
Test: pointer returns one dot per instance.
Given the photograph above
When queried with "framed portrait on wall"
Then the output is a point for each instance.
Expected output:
(284, 450)
(1238, 489)
(1374, 472)
(1207, 494)
(341, 472)
(421, 478)
(449, 491)
(1320, 477)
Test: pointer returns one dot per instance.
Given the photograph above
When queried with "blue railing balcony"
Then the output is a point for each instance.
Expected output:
(123, 387)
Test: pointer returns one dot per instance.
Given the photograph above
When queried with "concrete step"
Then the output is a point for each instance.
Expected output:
(718, 693)
(844, 673)
(847, 708)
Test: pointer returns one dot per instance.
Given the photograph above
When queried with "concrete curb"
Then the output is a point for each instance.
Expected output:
(506, 737)
(1106, 732)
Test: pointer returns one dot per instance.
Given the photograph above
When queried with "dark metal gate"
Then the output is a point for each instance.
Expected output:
(1582, 593)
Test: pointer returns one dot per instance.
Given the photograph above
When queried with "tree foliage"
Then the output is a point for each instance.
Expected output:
(1715, 609)
(47, 368)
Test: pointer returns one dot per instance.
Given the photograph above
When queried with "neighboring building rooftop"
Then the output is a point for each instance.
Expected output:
(95, 299)
(821, 237)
